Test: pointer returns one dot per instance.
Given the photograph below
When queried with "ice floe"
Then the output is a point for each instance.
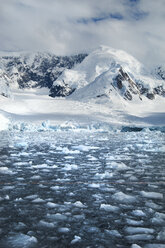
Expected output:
(124, 198)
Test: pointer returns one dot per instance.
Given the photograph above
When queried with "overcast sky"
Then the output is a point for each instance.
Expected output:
(71, 26)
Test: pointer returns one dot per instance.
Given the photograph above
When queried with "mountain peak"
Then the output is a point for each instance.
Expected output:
(106, 72)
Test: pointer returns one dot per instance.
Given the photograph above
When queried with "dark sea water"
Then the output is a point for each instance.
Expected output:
(82, 189)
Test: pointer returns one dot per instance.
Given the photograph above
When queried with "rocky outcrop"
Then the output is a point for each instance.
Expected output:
(120, 82)
(38, 70)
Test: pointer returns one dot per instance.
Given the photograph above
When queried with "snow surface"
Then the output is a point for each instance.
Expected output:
(30, 111)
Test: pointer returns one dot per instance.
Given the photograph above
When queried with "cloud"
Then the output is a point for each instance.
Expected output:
(72, 26)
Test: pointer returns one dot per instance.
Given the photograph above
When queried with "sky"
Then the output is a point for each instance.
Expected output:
(67, 27)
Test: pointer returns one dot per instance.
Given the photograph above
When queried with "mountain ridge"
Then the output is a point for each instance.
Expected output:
(101, 74)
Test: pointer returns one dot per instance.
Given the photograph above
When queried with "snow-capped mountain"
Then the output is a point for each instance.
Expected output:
(109, 73)
(106, 73)
(27, 70)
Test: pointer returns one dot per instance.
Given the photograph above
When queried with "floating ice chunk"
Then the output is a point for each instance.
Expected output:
(84, 148)
(158, 219)
(92, 229)
(5, 170)
(133, 178)
(38, 200)
(124, 198)
(51, 205)
(135, 246)
(46, 224)
(69, 157)
(35, 177)
(94, 185)
(7, 197)
(76, 239)
(19, 199)
(31, 197)
(63, 230)
(153, 205)
(55, 187)
(21, 241)
(117, 166)
(70, 167)
(8, 187)
(154, 246)
(65, 150)
(139, 213)
(159, 215)
(152, 195)
(79, 216)
(109, 208)
(91, 158)
(161, 235)
(58, 217)
(114, 233)
(135, 222)
(137, 230)
(20, 226)
(25, 154)
(21, 144)
(79, 204)
(104, 175)
(140, 237)
(40, 166)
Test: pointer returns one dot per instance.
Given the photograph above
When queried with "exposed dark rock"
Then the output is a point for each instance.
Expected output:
(160, 72)
(132, 87)
(159, 91)
(128, 95)
(58, 90)
(150, 96)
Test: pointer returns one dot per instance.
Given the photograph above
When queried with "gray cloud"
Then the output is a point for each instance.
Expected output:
(72, 26)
